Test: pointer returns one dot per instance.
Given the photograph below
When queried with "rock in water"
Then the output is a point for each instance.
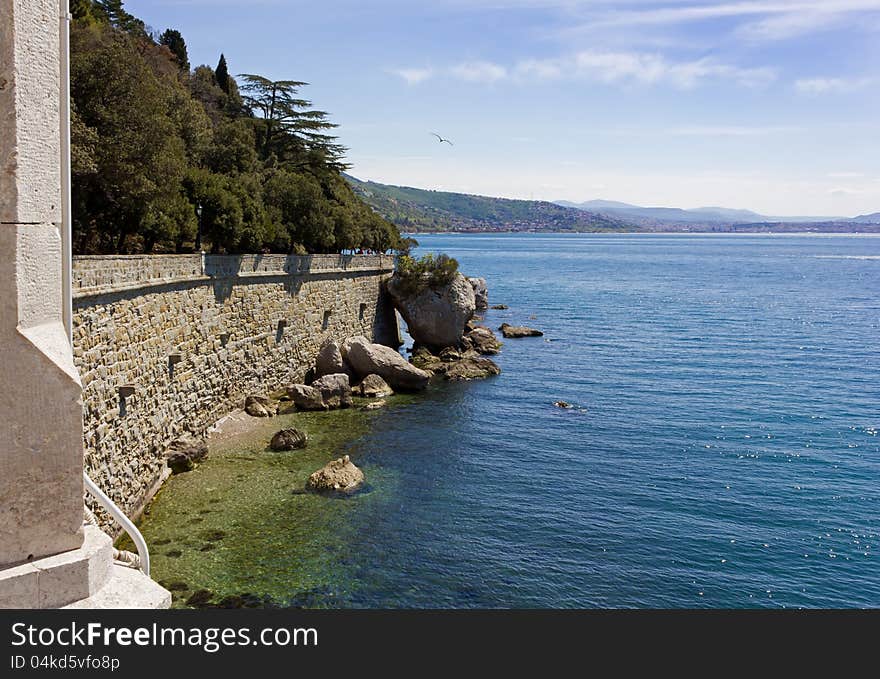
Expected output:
(500, 307)
(367, 358)
(289, 439)
(374, 386)
(305, 397)
(260, 406)
(481, 293)
(423, 359)
(339, 476)
(482, 340)
(517, 331)
(375, 405)
(185, 452)
(471, 369)
(329, 360)
(335, 390)
(435, 317)
(563, 404)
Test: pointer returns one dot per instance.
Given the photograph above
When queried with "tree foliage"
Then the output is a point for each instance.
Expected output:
(415, 275)
(152, 140)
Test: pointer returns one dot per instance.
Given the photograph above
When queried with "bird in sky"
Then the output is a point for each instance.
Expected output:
(441, 139)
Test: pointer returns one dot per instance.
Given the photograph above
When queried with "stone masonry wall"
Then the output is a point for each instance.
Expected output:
(189, 336)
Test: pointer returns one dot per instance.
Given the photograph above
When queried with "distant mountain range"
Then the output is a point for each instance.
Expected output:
(700, 215)
(419, 210)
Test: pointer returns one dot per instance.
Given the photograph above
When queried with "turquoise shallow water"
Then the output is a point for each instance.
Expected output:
(723, 452)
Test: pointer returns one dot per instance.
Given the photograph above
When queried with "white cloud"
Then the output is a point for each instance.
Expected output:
(642, 68)
(816, 86)
(414, 76)
(479, 71)
(845, 175)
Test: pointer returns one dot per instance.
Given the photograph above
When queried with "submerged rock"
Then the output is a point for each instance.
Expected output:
(435, 317)
(289, 439)
(260, 406)
(338, 476)
(517, 331)
(375, 405)
(373, 386)
(305, 397)
(563, 404)
(499, 307)
(367, 358)
(481, 293)
(471, 369)
(335, 390)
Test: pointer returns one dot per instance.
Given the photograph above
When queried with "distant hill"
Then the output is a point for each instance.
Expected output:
(415, 210)
(657, 217)
(873, 218)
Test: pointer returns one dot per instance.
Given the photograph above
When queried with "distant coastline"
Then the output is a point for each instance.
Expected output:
(423, 211)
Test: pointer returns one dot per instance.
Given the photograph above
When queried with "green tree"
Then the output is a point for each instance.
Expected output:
(221, 74)
(174, 41)
(287, 125)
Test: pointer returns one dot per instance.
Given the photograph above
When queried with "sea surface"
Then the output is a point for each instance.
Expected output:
(722, 451)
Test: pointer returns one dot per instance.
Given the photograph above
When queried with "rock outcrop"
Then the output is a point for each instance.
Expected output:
(482, 340)
(339, 476)
(305, 397)
(289, 439)
(373, 386)
(435, 317)
(481, 293)
(517, 331)
(260, 406)
(335, 390)
(184, 453)
(367, 358)
(454, 365)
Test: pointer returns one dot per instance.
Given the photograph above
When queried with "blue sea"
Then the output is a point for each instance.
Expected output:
(723, 448)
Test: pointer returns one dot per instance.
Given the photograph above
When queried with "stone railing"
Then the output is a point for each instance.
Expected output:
(98, 274)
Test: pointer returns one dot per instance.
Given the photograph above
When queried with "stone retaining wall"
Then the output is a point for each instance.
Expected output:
(166, 345)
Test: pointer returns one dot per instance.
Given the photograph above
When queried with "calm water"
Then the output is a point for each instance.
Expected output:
(723, 452)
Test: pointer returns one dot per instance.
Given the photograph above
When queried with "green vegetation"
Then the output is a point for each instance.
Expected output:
(415, 275)
(159, 150)
(415, 210)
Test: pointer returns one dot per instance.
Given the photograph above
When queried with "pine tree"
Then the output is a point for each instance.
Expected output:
(222, 74)
(289, 127)
(174, 41)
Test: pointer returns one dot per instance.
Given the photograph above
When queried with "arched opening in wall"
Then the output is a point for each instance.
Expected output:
(363, 311)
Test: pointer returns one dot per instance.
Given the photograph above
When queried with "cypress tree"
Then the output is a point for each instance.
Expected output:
(222, 74)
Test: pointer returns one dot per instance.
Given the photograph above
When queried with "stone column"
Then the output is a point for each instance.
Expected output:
(40, 393)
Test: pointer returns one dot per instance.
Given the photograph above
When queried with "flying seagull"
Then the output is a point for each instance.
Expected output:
(441, 139)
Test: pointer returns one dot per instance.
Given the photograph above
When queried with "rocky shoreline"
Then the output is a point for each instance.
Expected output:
(449, 344)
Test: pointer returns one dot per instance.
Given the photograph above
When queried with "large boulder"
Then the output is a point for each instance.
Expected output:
(260, 406)
(367, 358)
(329, 360)
(305, 397)
(184, 453)
(435, 317)
(481, 293)
(335, 390)
(289, 439)
(517, 331)
(339, 476)
(373, 386)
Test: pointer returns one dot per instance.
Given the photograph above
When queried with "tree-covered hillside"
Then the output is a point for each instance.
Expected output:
(158, 149)
(415, 210)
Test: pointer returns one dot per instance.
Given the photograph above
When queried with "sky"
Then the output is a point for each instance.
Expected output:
(768, 105)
